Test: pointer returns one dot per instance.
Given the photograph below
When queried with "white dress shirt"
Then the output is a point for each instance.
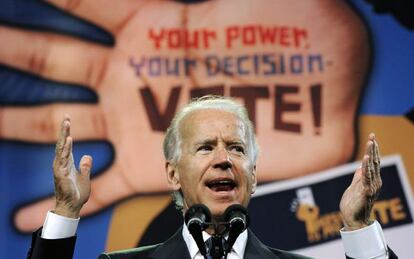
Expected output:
(368, 242)
(364, 243)
(237, 252)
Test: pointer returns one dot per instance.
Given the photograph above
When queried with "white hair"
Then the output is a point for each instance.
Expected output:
(172, 140)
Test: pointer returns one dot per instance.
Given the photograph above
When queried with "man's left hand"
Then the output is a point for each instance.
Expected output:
(358, 199)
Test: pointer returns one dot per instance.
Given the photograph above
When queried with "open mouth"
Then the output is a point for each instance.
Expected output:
(221, 185)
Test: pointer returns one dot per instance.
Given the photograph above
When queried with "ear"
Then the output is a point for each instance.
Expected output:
(254, 179)
(173, 177)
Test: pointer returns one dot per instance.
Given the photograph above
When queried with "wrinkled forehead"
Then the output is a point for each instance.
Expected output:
(210, 123)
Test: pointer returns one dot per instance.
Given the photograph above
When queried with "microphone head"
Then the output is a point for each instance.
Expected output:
(195, 219)
(197, 214)
(238, 218)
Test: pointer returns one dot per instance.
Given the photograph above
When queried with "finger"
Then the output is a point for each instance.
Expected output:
(366, 171)
(357, 175)
(63, 157)
(66, 156)
(377, 164)
(32, 217)
(376, 153)
(371, 156)
(368, 147)
(109, 14)
(371, 165)
(105, 190)
(108, 188)
(85, 166)
(63, 134)
(40, 123)
(52, 56)
(116, 184)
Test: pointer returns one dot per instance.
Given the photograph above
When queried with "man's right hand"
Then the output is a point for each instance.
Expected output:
(72, 187)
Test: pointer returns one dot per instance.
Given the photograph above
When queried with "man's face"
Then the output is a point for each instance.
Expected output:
(214, 168)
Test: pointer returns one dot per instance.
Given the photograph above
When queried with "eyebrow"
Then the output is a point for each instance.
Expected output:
(206, 141)
(214, 141)
(236, 142)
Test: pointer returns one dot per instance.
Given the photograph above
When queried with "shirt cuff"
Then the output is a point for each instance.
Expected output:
(364, 243)
(56, 226)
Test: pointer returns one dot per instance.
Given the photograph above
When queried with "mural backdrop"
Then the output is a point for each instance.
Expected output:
(315, 76)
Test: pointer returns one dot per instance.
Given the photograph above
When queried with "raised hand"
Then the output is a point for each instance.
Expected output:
(358, 199)
(125, 112)
(72, 187)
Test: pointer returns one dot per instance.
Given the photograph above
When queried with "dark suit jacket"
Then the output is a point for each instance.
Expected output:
(173, 248)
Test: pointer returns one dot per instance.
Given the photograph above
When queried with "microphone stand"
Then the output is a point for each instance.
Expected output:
(198, 218)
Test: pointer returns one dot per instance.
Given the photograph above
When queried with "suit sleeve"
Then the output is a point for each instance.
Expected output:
(51, 248)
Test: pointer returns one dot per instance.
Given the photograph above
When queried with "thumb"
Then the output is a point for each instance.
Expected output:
(85, 166)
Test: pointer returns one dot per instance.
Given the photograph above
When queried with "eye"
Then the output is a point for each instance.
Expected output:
(205, 148)
(237, 148)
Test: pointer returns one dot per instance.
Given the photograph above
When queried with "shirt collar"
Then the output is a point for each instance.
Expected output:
(239, 246)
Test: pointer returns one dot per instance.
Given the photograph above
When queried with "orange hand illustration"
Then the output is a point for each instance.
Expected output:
(118, 117)
(122, 117)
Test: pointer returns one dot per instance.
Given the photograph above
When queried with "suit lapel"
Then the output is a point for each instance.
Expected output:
(256, 249)
(174, 248)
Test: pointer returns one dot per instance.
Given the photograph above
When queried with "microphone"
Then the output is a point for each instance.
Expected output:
(238, 219)
(196, 219)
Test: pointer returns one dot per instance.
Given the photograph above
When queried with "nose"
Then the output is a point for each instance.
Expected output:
(222, 160)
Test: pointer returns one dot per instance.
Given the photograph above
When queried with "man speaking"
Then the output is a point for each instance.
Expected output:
(210, 151)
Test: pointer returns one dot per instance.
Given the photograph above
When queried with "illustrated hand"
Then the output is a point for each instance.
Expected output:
(122, 118)
(358, 199)
(119, 117)
(72, 188)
